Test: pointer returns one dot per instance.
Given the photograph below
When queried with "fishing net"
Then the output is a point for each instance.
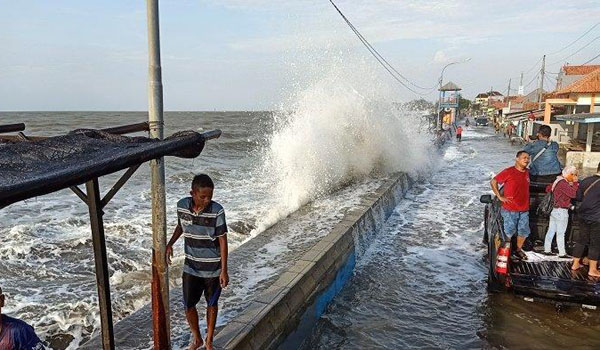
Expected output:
(32, 168)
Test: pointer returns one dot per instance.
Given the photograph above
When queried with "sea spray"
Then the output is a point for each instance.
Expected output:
(343, 125)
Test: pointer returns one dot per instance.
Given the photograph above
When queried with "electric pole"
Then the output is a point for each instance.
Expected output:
(508, 91)
(541, 87)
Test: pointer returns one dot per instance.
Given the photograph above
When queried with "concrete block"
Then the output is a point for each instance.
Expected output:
(270, 294)
(281, 314)
(322, 245)
(286, 278)
(295, 299)
(262, 334)
(300, 266)
(251, 313)
(228, 335)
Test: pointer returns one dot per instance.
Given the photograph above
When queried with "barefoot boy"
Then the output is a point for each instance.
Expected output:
(202, 223)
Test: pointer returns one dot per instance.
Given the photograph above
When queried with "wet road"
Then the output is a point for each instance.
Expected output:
(422, 282)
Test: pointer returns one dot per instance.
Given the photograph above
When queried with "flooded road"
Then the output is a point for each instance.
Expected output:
(422, 282)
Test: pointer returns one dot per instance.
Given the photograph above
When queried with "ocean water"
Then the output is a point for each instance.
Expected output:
(333, 140)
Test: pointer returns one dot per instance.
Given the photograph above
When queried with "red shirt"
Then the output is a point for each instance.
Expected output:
(459, 131)
(516, 188)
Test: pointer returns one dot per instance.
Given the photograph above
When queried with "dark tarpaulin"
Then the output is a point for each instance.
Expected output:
(29, 169)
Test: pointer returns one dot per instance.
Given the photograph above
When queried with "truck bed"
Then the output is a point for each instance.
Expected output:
(555, 280)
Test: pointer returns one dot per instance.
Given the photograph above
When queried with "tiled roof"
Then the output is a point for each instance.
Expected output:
(580, 70)
(588, 84)
(498, 104)
(482, 95)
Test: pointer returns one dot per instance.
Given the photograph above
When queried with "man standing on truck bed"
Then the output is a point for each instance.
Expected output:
(545, 166)
(588, 212)
(515, 201)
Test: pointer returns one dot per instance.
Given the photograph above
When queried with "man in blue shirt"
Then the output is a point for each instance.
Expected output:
(544, 166)
(16, 334)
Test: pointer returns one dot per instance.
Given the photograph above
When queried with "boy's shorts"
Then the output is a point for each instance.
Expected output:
(194, 286)
(515, 221)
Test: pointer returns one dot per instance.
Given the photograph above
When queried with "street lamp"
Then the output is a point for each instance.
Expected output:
(439, 119)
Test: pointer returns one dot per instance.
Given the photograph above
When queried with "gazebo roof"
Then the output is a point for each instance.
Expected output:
(450, 86)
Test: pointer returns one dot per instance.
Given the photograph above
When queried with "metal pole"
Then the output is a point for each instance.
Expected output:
(101, 261)
(439, 116)
(541, 87)
(508, 91)
(160, 272)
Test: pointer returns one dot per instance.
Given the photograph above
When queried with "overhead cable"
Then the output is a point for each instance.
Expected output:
(576, 52)
(590, 60)
(532, 79)
(576, 40)
(386, 65)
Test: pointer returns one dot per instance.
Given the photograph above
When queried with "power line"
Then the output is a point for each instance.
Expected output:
(531, 81)
(591, 60)
(576, 52)
(535, 65)
(386, 65)
(576, 40)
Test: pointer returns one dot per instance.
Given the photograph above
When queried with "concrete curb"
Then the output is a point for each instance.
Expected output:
(284, 314)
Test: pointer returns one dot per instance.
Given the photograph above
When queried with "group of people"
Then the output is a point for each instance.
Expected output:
(538, 162)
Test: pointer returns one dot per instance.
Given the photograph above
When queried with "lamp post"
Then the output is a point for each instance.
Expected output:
(439, 119)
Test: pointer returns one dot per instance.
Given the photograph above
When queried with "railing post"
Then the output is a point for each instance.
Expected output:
(101, 261)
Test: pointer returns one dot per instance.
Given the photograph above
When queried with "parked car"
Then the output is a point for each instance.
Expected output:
(545, 280)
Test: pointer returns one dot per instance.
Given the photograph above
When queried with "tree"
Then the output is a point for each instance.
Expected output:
(463, 103)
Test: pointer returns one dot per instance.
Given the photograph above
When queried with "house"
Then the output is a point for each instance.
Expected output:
(481, 99)
(576, 107)
(570, 74)
(495, 96)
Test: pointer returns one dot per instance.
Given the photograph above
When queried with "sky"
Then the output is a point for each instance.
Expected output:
(245, 54)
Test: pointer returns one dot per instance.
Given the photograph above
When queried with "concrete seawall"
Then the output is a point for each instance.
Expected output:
(283, 315)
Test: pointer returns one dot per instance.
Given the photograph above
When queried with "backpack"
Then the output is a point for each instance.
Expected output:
(547, 203)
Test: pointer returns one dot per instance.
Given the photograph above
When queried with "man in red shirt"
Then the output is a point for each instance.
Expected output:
(459, 133)
(515, 200)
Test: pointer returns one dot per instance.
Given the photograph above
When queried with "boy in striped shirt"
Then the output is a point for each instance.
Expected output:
(201, 221)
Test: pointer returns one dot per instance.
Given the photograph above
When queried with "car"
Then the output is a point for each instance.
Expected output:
(481, 121)
(547, 280)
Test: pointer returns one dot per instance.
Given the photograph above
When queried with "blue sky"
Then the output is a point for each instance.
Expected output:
(244, 54)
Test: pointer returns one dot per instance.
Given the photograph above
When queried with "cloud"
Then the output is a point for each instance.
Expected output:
(440, 57)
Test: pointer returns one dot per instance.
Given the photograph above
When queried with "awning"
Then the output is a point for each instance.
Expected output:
(33, 168)
(521, 115)
(584, 118)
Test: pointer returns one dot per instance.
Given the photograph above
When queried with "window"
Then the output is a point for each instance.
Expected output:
(582, 109)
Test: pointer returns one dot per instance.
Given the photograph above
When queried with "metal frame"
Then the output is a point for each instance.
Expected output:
(96, 203)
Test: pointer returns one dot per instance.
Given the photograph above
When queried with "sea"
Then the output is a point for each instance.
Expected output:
(324, 148)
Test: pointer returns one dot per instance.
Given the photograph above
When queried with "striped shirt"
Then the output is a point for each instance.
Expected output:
(201, 231)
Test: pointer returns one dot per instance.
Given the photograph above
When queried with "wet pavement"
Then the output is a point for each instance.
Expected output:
(422, 282)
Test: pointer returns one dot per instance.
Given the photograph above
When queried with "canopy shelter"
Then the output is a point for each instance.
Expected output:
(450, 86)
(582, 118)
(34, 168)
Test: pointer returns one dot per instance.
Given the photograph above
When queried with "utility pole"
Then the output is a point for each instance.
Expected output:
(521, 85)
(541, 87)
(160, 272)
(508, 91)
